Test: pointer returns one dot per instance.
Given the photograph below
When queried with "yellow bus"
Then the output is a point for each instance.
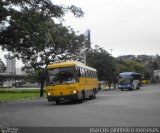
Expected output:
(71, 80)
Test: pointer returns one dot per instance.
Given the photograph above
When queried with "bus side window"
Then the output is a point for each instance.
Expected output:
(86, 73)
(92, 74)
(95, 75)
(131, 77)
(82, 72)
(78, 71)
(89, 73)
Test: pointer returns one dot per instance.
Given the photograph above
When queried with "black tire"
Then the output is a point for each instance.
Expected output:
(91, 96)
(138, 88)
(94, 94)
(49, 99)
(57, 101)
(132, 88)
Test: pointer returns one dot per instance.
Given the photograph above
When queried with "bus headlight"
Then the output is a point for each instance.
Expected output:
(75, 92)
(49, 93)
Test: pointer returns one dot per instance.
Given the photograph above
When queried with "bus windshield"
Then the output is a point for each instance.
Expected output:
(128, 78)
(124, 81)
(64, 75)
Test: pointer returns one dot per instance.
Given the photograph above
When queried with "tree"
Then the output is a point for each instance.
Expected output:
(33, 36)
(155, 65)
(60, 43)
(2, 66)
(43, 8)
(134, 66)
(2, 69)
(101, 60)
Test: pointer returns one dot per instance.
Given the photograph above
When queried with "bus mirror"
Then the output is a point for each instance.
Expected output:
(79, 73)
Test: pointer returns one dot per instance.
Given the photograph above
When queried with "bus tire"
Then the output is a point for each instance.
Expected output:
(94, 93)
(91, 96)
(57, 101)
(132, 88)
(138, 88)
(49, 99)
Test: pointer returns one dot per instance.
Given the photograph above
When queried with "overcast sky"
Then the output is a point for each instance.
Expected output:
(126, 26)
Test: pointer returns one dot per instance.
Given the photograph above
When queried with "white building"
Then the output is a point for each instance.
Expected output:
(10, 65)
(20, 72)
(156, 73)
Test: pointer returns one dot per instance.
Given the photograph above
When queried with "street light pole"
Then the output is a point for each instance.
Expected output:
(85, 62)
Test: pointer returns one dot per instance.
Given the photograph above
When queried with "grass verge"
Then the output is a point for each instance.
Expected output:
(8, 94)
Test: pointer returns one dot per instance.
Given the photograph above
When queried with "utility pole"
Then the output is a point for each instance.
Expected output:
(87, 45)
(83, 52)
(85, 57)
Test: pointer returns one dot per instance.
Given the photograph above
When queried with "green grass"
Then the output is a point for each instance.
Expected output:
(10, 94)
(19, 90)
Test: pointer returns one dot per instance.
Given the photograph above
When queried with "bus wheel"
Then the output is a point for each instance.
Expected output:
(138, 88)
(57, 101)
(49, 99)
(93, 95)
(132, 88)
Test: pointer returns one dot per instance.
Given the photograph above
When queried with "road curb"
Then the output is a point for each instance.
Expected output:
(112, 89)
(27, 99)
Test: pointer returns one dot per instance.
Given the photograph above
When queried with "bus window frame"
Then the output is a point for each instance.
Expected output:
(60, 82)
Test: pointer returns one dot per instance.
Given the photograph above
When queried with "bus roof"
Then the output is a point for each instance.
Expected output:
(129, 73)
(69, 63)
(134, 74)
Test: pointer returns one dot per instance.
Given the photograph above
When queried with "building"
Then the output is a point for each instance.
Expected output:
(16, 77)
(19, 71)
(10, 64)
(156, 73)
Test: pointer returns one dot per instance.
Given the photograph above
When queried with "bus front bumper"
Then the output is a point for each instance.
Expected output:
(63, 97)
(124, 86)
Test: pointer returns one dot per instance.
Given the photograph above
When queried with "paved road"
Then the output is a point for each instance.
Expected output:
(139, 108)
